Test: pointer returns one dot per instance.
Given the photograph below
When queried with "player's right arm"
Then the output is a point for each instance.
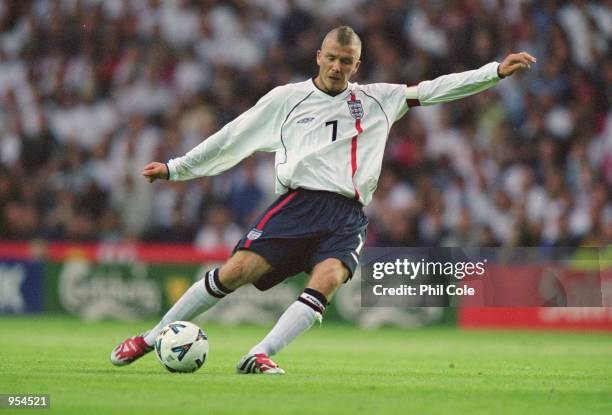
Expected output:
(257, 129)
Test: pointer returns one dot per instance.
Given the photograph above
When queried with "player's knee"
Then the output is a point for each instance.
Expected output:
(242, 268)
(328, 276)
(233, 273)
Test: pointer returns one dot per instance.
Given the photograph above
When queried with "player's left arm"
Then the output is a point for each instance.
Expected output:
(459, 85)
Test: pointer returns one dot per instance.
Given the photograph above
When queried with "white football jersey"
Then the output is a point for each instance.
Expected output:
(323, 142)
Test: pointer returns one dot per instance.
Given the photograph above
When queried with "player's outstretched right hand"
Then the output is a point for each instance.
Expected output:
(155, 170)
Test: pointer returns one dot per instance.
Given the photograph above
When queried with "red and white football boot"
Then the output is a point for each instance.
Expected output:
(129, 350)
(258, 363)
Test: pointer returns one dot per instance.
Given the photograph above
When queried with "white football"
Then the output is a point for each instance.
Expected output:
(181, 347)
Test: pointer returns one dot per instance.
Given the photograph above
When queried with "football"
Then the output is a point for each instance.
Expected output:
(181, 347)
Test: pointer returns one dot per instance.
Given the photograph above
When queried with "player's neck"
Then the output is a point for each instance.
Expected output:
(317, 82)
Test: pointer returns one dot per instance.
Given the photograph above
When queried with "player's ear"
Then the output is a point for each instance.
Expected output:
(356, 67)
(319, 57)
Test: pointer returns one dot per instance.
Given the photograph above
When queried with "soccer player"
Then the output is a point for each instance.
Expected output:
(329, 136)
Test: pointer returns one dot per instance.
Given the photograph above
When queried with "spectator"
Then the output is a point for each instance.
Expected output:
(219, 231)
(90, 91)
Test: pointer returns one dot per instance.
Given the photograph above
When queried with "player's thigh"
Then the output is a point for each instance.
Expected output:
(242, 268)
(327, 276)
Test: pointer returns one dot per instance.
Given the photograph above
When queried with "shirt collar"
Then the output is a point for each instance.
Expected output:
(338, 96)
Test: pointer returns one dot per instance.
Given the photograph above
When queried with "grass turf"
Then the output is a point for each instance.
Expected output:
(333, 369)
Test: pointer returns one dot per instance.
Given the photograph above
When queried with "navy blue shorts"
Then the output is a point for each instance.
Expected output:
(304, 227)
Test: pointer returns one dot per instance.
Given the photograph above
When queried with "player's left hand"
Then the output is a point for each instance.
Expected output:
(515, 62)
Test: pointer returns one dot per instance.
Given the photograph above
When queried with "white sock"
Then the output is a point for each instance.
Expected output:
(298, 318)
(201, 296)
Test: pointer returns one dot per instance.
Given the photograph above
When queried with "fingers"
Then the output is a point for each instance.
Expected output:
(515, 62)
(515, 67)
(524, 58)
(153, 166)
(529, 57)
(152, 171)
(150, 178)
(155, 170)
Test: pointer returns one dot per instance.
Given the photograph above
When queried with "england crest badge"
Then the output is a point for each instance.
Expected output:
(356, 109)
(254, 234)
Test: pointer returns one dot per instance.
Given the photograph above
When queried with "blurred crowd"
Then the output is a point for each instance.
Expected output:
(92, 90)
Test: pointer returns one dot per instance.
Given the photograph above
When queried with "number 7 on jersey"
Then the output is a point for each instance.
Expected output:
(334, 125)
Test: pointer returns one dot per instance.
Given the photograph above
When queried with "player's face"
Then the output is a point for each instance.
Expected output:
(337, 64)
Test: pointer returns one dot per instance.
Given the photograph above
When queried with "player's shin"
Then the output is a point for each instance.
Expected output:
(200, 297)
(298, 318)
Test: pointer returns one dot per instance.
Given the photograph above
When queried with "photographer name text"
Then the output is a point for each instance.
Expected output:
(424, 289)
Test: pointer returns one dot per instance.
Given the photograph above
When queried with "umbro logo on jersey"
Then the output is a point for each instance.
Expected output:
(356, 109)
(305, 120)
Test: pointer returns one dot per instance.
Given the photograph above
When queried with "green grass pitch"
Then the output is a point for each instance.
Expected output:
(332, 369)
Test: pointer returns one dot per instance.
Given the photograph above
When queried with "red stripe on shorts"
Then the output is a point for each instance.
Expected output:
(271, 213)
